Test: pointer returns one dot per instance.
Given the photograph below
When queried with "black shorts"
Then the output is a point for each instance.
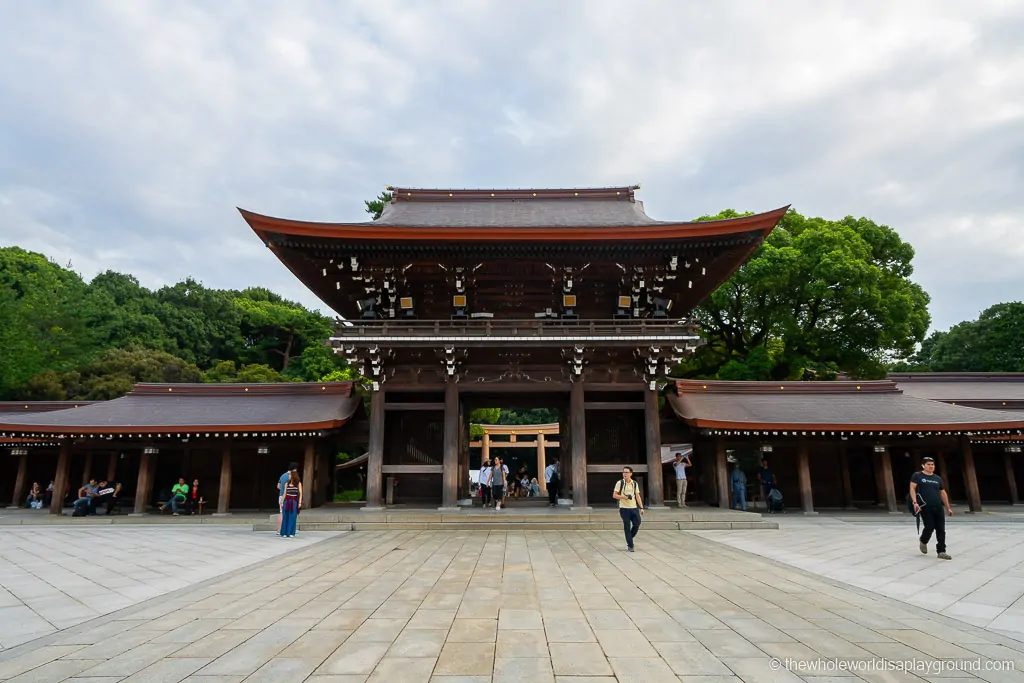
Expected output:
(497, 492)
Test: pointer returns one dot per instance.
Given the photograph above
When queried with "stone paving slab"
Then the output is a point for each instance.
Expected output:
(54, 577)
(446, 607)
(983, 584)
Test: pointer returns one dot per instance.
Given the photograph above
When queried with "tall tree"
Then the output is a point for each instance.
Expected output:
(818, 294)
(275, 330)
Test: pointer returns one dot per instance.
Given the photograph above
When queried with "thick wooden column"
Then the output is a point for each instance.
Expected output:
(309, 474)
(541, 462)
(844, 468)
(804, 472)
(721, 474)
(485, 452)
(970, 475)
(145, 483)
(1011, 480)
(450, 459)
(375, 461)
(60, 479)
(19, 482)
(112, 467)
(885, 472)
(87, 471)
(578, 430)
(652, 432)
(224, 494)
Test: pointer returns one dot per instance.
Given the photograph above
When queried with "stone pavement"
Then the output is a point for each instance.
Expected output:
(983, 584)
(53, 577)
(475, 607)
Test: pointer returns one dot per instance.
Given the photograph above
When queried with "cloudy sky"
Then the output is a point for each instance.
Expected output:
(130, 131)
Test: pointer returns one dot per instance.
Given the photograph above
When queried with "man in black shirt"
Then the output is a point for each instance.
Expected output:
(106, 494)
(928, 492)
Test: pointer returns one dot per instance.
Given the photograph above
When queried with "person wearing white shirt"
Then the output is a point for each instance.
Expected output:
(484, 480)
(554, 482)
(680, 465)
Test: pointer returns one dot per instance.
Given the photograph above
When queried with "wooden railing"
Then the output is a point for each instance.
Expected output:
(490, 327)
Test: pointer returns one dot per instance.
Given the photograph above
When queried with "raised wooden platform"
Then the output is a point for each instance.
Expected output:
(476, 519)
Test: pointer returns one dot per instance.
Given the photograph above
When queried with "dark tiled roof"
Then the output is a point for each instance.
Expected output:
(184, 408)
(521, 213)
(966, 387)
(878, 405)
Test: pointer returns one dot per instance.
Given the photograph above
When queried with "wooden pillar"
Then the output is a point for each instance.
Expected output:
(309, 474)
(485, 453)
(652, 433)
(145, 482)
(885, 472)
(60, 479)
(465, 487)
(844, 468)
(224, 494)
(721, 474)
(970, 475)
(112, 467)
(804, 472)
(375, 459)
(19, 482)
(1010, 478)
(578, 430)
(450, 454)
(541, 462)
(87, 471)
(943, 471)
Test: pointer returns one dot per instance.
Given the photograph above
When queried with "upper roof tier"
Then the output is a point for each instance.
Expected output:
(531, 214)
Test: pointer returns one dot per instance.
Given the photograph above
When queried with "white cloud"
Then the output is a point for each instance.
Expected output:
(130, 131)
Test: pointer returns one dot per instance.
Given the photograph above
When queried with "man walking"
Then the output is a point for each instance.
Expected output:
(766, 477)
(553, 481)
(738, 478)
(631, 506)
(931, 503)
(680, 465)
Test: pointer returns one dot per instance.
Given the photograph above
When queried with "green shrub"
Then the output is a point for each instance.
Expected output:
(349, 496)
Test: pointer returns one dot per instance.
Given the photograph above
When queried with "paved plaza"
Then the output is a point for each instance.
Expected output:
(470, 607)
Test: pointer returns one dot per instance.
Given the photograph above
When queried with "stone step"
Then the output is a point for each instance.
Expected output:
(515, 524)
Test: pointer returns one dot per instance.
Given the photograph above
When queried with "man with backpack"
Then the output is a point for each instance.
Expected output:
(631, 506)
(931, 505)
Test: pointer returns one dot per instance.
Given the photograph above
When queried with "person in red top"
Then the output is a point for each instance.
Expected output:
(193, 499)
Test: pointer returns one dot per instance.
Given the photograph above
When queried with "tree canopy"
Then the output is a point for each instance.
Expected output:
(821, 295)
(375, 207)
(65, 338)
(992, 343)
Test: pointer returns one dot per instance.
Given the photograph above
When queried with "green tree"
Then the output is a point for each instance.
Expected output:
(47, 319)
(992, 343)
(375, 207)
(254, 373)
(203, 324)
(274, 331)
(817, 294)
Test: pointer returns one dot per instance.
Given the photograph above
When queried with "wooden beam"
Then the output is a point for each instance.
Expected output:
(87, 470)
(652, 434)
(19, 482)
(112, 467)
(638, 468)
(616, 405)
(511, 444)
(721, 474)
(376, 450)
(804, 472)
(412, 469)
(844, 469)
(970, 475)
(224, 494)
(1011, 480)
(309, 473)
(450, 458)
(436, 406)
(60, 479)
(144, 483)
(578, 429)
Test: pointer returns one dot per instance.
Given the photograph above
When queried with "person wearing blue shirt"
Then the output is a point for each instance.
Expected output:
(282, 482)
(739, 487)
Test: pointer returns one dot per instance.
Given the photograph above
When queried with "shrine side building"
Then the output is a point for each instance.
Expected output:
(572, 299)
